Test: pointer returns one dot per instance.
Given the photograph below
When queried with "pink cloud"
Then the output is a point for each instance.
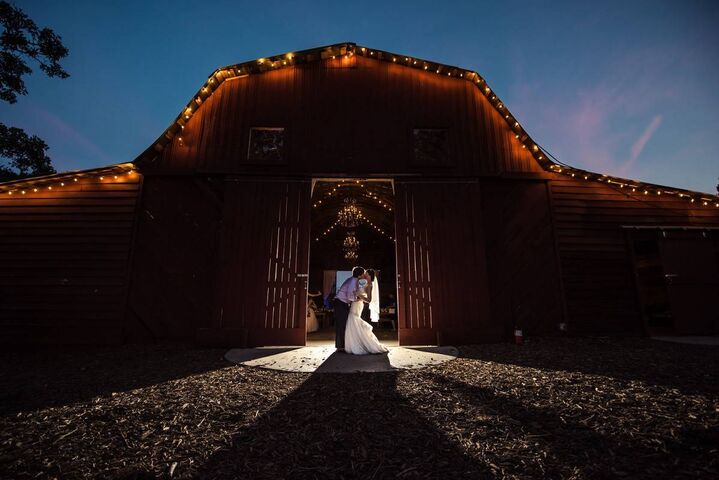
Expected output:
(595, 123)
(70, 135)
(641, 142)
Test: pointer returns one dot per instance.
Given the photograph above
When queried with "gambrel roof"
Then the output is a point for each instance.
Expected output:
(286, 60)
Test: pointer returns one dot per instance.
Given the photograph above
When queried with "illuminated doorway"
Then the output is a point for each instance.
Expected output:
(352, 224)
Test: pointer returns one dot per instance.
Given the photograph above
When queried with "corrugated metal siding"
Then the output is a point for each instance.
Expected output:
(357, 119)
(64, 260)
(594, 254)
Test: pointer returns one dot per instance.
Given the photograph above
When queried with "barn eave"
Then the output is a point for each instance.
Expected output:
(26, 186)
(348, 49)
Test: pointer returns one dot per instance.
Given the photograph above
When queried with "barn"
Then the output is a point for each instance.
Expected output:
(216, 232)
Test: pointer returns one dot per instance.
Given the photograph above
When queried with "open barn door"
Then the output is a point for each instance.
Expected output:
(261, 290)
(441, 264)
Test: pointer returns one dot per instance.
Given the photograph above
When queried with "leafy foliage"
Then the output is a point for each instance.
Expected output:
(21, 41)
(26, 154)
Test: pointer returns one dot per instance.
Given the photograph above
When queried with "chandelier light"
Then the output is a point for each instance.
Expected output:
(351, 255)
(349, 215)
(350, 242)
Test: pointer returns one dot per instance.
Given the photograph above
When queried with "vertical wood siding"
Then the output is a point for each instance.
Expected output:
(64, 260)
(444, 288)
(263, 260)
(595, 257)
(357, 119)
(522, 262)
(174, 258)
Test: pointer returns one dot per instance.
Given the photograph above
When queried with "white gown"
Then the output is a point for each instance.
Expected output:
(312, 324)
(359, 339)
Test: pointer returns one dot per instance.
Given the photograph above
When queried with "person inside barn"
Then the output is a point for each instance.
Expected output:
(312, 322)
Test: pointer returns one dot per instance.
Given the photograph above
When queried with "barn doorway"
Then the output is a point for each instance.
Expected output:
(352, 224)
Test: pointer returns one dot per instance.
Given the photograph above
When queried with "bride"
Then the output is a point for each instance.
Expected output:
(359, 339)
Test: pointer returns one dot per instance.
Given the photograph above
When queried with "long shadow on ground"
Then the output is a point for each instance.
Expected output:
(548, 441)
(35, 379)
(342, 426)
(688, 368)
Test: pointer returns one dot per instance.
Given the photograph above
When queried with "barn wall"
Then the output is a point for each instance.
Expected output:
(65, 256)
(442, 264)
(175, 258)
(346, 116)
(261, 287)
(216, 261)
(522, 264)
(594, 253)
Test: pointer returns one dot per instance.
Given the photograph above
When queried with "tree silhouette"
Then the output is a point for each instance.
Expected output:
(21, 42)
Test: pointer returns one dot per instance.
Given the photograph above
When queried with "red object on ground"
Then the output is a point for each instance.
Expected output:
(518, 338)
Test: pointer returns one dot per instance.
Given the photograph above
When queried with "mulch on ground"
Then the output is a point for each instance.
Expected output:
(553, 408)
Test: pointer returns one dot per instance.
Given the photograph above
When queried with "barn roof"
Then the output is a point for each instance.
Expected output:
(277, 62)
(31, 185)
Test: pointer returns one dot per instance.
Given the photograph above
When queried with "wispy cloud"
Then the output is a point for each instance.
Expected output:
(67, 134)
(641, 142)
(595, 122)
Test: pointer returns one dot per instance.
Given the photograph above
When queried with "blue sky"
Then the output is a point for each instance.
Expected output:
(627, 88)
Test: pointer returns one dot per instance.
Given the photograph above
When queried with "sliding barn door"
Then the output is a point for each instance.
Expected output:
(417, 323)
(441, 264)
(261, 291)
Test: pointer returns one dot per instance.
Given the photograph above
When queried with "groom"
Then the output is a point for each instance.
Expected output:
(344, 298)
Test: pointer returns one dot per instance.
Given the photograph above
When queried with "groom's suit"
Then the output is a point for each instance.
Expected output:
(344, 298)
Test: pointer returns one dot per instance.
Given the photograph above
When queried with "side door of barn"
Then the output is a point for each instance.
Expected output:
(441, 265)
(691, 271)
(261, 287)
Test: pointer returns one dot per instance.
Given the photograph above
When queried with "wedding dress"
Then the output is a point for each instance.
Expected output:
(374, 303)
(359, 339)
(312, 324)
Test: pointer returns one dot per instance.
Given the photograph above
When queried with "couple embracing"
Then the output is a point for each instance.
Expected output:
(354, 335)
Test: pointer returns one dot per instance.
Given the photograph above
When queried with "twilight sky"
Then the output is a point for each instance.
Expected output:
(629, 88)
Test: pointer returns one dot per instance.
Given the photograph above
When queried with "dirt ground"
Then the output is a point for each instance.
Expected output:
(553, 408)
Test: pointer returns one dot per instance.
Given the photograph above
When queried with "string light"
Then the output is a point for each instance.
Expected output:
(348, 50)
(51, 182)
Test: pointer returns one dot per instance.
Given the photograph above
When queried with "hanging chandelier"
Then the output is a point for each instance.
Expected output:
(349, 215)
(350, 245)
(350, 242)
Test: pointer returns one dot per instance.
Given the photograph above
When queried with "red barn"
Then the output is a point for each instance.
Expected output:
(212, 234)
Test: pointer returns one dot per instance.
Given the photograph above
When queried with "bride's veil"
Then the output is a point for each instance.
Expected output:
(374, 304)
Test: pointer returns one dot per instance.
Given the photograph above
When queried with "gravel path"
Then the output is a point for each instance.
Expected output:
(553, 408)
